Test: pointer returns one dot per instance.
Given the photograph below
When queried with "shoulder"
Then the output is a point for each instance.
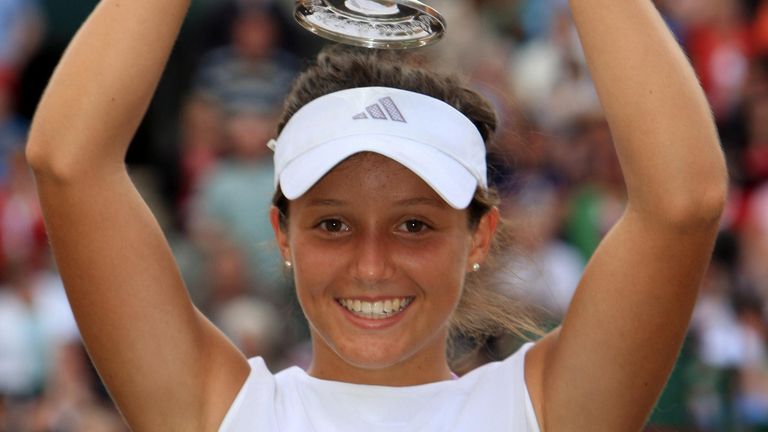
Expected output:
(535, 365)
(500, 391)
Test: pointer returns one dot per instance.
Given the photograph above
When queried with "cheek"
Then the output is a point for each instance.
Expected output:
(319, 269)
(314, 270)
(439, 271)
(442, 258)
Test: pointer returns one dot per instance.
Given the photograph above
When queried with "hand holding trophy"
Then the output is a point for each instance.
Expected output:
(387, 24)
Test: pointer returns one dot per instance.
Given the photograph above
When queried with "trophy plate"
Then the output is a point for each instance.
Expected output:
(385, 24)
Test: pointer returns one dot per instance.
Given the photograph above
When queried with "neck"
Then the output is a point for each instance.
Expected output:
(429, 365)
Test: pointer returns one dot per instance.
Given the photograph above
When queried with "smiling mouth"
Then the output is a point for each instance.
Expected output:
(381, 309)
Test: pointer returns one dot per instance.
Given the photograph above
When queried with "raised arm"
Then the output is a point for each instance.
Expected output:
(604, 369)
(165, 365)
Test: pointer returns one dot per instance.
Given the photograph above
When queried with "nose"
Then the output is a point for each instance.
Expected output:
(373, 260)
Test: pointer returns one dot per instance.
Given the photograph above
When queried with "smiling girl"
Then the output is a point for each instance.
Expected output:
(383, 214)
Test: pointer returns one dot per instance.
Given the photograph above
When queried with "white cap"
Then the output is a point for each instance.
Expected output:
(424, 134)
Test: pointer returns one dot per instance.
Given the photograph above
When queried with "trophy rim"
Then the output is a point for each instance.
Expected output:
(376, 43)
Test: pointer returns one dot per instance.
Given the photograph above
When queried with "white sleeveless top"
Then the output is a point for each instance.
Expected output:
(492, 397)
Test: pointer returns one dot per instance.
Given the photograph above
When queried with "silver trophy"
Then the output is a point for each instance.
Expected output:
(390, 24)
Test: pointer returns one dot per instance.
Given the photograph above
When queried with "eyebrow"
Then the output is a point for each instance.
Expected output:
(421, 201)
(325, 202)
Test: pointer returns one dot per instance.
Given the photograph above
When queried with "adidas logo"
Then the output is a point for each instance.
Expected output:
(377, 111)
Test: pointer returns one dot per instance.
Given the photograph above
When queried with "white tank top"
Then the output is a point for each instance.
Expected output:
(492, 397)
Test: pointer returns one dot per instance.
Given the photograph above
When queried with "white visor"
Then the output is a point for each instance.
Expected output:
(424, 134)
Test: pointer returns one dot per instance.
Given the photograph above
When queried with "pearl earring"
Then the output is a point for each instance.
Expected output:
(288, 264)
(475, 267)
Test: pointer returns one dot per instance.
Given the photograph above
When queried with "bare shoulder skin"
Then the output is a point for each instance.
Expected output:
(604, 368)
(165, 365)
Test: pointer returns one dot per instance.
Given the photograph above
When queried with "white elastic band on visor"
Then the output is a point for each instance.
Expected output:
(424, 134)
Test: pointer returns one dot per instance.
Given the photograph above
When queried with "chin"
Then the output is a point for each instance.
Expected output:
(377, 357)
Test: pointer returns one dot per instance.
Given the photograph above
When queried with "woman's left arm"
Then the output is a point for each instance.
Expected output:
(605, 367)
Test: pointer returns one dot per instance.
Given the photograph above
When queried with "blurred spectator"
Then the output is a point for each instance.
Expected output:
(720, 48)
(34, 320)
(597, 195)
(550, 76)
(546, 269)
(729, 327)
(755, 241)
(460, 50)
(13, 129)
(537, 17)
(715, 321)
(22, 231)
(21, 30)
(751, 399)
(253, 325)
(202, 142)
(253, 72)
(760, 28)
(233, 201)
(755, 158)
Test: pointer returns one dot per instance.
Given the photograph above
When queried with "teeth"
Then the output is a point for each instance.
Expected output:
(376, 310)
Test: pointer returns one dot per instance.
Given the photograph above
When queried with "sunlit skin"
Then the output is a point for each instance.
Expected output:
(372, 230)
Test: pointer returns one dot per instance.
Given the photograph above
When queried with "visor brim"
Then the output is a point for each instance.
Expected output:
(450, 179)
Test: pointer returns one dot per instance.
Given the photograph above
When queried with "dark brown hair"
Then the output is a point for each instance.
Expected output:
(483, 310)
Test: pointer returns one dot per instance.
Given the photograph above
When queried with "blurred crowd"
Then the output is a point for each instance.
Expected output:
(201, 162)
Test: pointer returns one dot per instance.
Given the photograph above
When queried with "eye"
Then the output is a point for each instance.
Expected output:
(413, 226)
(333, 226)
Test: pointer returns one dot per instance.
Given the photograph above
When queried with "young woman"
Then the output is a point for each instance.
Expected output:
(382, 211)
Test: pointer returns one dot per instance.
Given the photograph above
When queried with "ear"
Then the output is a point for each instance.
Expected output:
(482, 238)
(281, 237)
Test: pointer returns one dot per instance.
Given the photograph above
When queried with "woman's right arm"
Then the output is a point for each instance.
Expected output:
(165, 365)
